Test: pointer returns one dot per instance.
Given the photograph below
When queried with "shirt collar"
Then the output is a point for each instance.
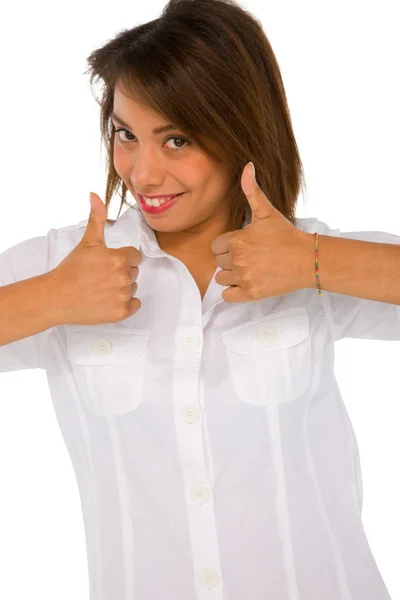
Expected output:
(131, 229)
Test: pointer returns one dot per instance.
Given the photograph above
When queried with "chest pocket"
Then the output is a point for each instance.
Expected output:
(270, 358)
(108, 367)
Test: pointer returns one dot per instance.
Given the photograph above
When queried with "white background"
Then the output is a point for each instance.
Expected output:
(340, 66)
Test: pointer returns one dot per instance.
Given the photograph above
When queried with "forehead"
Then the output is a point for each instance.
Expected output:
(125, 106)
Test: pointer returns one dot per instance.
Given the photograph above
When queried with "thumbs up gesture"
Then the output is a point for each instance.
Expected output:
(267, 258)
(95, 284)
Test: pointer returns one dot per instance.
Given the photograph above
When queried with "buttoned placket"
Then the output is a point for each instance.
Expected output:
(189, 425)
(189, 422)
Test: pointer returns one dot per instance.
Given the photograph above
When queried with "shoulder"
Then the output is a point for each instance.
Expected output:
(312, 224)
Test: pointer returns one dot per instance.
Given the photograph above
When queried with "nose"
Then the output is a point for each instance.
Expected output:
(148, 170)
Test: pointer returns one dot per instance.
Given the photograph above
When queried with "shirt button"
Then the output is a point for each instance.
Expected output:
(200, 494)
(266, 334)
(190, 414)
(209, 578)
(102, 348)
(188, 340)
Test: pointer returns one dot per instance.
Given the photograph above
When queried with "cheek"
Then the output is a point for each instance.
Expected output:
(120, 162)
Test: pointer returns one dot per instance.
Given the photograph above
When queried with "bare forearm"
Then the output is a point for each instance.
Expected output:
(25, 309)
(369, 270)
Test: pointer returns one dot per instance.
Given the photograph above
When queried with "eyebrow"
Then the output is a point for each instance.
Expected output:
(156, 131)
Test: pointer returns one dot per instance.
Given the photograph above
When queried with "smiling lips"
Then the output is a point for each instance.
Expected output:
(160, 205)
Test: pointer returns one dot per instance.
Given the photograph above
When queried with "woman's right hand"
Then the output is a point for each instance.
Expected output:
(95, 284)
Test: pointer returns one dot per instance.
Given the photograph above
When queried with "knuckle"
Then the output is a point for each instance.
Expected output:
(124, 297)
(236, 238)
(254, 292)
(120, 314)
(120, 261)
(124, 280)
(137, 256)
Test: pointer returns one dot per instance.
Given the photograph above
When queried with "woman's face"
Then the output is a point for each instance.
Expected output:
(165, 163)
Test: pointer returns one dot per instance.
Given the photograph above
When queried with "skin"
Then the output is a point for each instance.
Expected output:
(153, 164)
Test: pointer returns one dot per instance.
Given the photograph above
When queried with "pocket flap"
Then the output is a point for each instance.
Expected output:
(276, 331)
(104, 346)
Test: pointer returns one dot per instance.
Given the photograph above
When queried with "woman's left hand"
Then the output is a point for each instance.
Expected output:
(269, 257)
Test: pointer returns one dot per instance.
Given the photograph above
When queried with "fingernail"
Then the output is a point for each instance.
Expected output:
(90, 199)
(254, 173)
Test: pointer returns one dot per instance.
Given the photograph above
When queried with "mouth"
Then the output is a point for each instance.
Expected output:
(156, 210)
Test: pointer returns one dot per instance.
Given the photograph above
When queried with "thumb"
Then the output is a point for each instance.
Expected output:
(94, 232)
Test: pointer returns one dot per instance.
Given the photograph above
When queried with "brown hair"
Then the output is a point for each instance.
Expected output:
(207, 66)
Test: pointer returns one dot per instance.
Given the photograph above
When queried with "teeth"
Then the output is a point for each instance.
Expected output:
(155, 201)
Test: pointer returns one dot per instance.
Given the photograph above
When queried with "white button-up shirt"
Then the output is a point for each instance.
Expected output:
(214, 455)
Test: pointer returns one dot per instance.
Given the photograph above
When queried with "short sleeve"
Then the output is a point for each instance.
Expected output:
(23, 261)
(352, 317)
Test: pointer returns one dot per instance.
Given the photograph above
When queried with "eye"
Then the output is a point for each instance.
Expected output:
(180, 138)
(126, 131)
